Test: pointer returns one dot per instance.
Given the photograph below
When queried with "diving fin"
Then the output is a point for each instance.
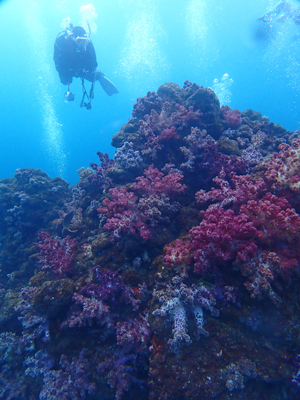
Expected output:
(108, 87)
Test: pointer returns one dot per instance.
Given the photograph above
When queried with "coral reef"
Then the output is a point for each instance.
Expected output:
(169, 272)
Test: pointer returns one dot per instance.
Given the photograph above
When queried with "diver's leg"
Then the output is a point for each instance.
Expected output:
(90, 76)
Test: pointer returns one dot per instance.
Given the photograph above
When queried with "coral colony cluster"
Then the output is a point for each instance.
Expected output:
(168, 272)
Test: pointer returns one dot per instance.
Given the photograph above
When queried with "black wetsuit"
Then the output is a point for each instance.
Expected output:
(73, 61)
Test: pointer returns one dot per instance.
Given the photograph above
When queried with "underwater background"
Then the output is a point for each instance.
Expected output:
(139, 45)
(169, 268)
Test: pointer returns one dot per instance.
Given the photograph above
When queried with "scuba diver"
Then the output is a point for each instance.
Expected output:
(282, 12)
(75, 57)
(265, 31)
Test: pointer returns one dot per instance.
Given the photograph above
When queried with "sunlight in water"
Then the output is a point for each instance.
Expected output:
(197, 34)
(196, 23)
(141, 58)
(52, 137)
(62, 6)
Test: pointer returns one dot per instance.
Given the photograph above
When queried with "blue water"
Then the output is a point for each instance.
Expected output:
(140, 44)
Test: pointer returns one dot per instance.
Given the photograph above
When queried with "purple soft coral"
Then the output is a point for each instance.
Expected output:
(56, 254)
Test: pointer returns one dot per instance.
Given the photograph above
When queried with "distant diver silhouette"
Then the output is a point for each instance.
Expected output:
(266, 27)
(281, 13)
(75, 57)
